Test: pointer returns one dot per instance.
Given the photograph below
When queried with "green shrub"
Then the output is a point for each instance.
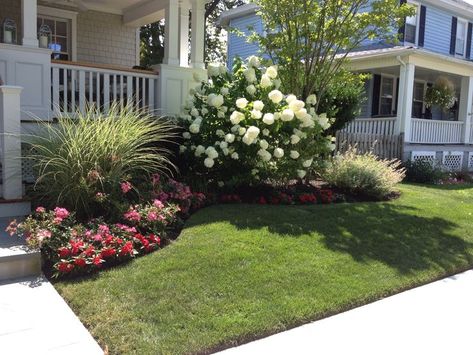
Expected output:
(87, 158)
(364, 174)
(423, 172)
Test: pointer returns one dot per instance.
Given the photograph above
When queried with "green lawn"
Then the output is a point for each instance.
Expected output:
(240, 272)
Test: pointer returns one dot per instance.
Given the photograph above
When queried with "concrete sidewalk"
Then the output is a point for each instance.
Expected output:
(34, 319)
(433, 319)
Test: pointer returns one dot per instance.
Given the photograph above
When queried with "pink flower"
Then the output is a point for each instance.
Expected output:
(132, 216)
(43, 233)
(158, 204)
(152, 216)
(57, 220)
(61, 213)
(98, 238)
(103, 229)
(40, 209)
(126, 187)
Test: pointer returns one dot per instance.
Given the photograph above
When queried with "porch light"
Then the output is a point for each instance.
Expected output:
(44, 36)
(9, 31)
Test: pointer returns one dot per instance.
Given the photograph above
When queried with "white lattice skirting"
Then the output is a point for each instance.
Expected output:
(453, 161)
(428, 157)
(470, 161)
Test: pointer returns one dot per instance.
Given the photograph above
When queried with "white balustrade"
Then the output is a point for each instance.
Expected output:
(435, 131)
(76, 86)
(371, 126)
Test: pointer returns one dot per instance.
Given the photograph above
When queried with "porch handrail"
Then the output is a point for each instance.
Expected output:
(74, 86)
(436, 131)
(99, 66)
(380, 125)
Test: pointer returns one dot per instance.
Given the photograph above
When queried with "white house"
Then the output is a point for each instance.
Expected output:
(64, 54)
(436, 42)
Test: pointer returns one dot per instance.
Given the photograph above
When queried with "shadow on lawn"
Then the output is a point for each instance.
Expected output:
(389, 233)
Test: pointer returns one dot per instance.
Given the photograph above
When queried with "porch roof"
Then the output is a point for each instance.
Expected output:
(395, 56)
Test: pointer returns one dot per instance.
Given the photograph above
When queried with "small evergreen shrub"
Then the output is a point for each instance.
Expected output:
(423, 172)
(364, 174)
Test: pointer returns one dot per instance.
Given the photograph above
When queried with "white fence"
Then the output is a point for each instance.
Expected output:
(76, 86)
(436, 132)
(384, 126)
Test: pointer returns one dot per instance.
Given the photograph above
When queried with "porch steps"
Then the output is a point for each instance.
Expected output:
(16, 260)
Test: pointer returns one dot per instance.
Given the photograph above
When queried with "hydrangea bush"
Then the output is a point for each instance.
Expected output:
(239, 128)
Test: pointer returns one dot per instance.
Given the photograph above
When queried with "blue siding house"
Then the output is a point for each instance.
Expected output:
(436, 42)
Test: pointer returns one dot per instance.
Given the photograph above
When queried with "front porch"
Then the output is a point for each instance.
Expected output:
(395, 101)
(90, 58)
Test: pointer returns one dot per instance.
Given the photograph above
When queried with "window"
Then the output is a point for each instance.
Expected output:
(460, 44)
(410, 29)
(418, 99)
(61, 35)
(386, 97)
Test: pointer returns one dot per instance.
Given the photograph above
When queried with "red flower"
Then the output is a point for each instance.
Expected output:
(108, 239)
(97, 261)
(262, 201)
(65, 267)
(64, 252)
(127, 249)
(108, 253)
(80, 262)
(76, 246)
(89, 251)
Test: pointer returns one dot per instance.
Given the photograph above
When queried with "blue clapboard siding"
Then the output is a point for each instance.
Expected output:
(438, 25)
(238, 45)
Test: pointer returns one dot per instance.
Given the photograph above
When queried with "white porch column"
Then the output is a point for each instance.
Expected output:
(10, 128)
(406, 92)
(29, 11)
(198, 34)
(466, 102)
(171, 33)
(184, 34)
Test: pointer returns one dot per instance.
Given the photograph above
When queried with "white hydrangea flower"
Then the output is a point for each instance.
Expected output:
(250, 75)
(235, 156)
(258, 105)
(307, 163)
(272, 72)
(204, 111)
(278, 153)
(230, 138)
(256, 114)
(199, 150)
(276, 96)
(193, 147)
(254, 171)
(220, 133)
(224, 109)
(296, 105)
(251, 134)
(241, 103)
(294, 154)
(241, 131)
(182, 148)
(224, 91)
(251, 89)
(213, 69)
(308, 122)
(254, 61)
(295, 139)
(220, 184)
(194, 112)
(301, 173)
(268, 118)
(277, 83)
(266, 132)
(331, 146)
(266, 81)
(198, 76)
(220, 114)
(236, 117)
(198, 120)
(223, 145)
(225, 151)
(209, 162)
(194, 128)
(311, 99)
(265, 155)
(301, 113)
(211, 153)
(287, 115)
(263, 144)
(290, 98)
(235, 128)
(215, 100)
(186, 135)
(323, 121)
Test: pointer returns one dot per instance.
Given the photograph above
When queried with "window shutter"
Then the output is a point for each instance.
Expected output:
(453, 35)
(423, 12)
(402, 29)
(376, 95)
(468, 41)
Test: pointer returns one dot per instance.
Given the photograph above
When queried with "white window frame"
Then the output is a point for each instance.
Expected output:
(413, 96)
(66, 15)
(417, 15)
(393, 104)
(464, 23)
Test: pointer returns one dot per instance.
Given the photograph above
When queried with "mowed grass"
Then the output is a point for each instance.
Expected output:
(239, 272)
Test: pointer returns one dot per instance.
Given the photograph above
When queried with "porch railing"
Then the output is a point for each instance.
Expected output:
(437, 132)
(380, 125)
(76, 86)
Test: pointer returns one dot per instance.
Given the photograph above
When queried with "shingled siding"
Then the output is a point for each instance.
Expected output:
(102, 38)
(238, 45)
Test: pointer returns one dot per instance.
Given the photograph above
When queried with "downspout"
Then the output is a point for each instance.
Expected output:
(398, 124)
